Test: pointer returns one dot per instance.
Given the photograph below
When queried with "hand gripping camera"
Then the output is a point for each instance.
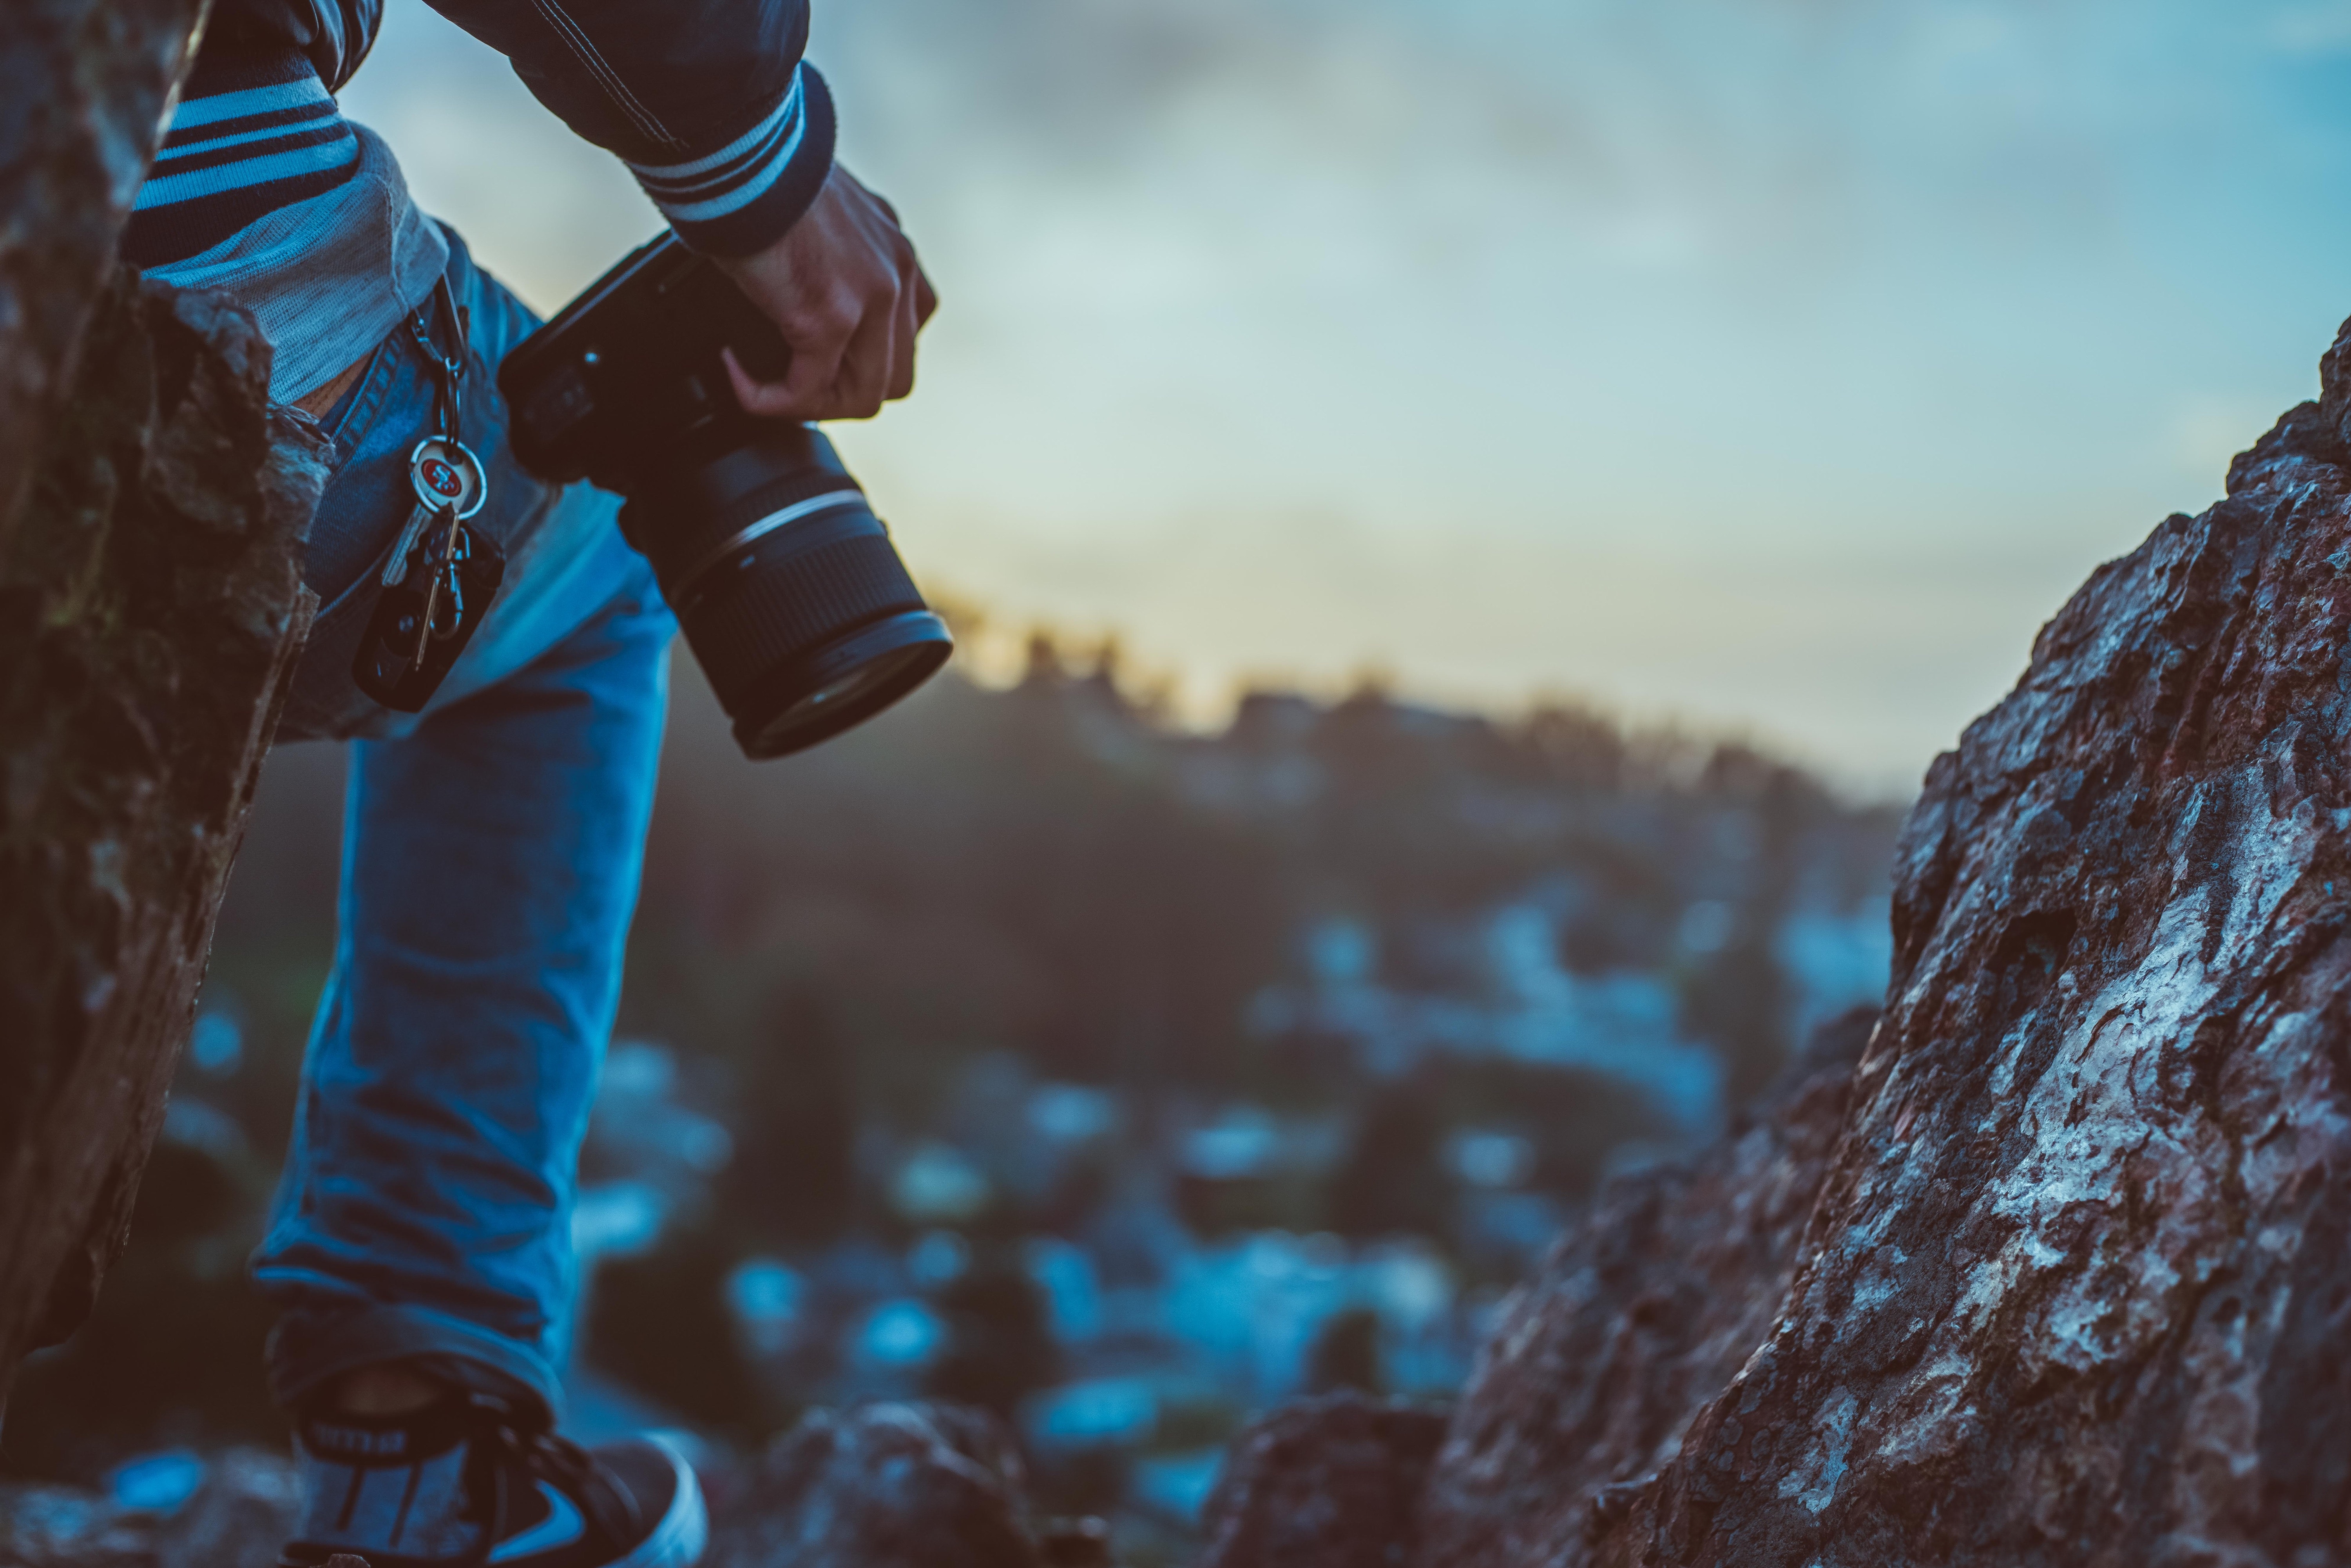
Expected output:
(786, 583)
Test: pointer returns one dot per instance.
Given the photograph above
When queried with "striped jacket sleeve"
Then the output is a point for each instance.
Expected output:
(707, 101)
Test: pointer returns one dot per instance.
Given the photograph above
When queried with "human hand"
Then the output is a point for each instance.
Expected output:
(844, 287)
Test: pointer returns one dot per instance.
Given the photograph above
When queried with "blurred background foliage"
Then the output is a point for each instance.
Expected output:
(1028, 1049)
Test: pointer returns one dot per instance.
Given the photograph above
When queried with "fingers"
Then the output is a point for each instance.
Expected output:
(843, 368)
(926, 299)
(769, 400)
(820, 338)
(903, 326)
(848, 359)
(848, 381)
(867, 367)
(819, 351)
(849, 295)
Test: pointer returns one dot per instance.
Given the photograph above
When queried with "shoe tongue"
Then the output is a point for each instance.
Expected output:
(385, 1487)
(402, 1439)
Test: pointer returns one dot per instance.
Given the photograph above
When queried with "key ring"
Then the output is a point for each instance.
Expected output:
(450, 368)
(445, 477)
(439, 576)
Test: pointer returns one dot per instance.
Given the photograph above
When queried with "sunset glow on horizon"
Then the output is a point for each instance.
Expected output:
(1776, 364)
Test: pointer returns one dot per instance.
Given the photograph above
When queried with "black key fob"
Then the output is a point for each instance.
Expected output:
(423, 622)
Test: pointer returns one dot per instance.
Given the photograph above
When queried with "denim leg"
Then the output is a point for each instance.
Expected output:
(491, 861)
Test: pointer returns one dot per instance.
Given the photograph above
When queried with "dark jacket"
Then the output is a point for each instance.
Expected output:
(706, 100)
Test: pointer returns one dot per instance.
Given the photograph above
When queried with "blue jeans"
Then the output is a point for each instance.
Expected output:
(492, 847)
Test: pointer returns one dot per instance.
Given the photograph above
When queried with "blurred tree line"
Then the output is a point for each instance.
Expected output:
(1051, 873)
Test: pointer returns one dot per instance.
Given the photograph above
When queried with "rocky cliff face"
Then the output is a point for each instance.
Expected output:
(1640, 1314)
(151, 607)
(82, 89)
(1334, 1481)
(152, 507)
(2061, 1273)
(2077, 1285)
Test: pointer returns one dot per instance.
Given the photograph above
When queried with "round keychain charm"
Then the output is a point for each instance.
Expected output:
(447, 475)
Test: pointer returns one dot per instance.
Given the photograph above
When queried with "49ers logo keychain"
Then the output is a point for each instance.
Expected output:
(448, 473)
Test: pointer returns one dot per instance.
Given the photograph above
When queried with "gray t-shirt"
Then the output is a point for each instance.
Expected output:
(327, 278)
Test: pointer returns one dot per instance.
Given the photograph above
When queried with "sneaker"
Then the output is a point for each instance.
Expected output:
(456, 1485)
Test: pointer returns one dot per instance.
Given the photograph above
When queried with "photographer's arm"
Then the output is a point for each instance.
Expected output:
(708, 104)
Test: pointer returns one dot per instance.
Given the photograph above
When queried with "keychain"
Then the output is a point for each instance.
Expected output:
(441, 575)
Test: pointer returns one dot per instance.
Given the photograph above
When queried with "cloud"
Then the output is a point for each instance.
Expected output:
(2322, 29)
(1570, 317)
(1090, 85)
(1657, 133)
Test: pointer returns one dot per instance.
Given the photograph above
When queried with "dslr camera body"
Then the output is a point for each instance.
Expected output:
(786, 584)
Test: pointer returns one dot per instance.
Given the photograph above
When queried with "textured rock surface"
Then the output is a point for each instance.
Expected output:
(883, 1486)
(82, 89)
(1323, 1483)
(2078, 1290)
(151, 610)
(1640, 1314)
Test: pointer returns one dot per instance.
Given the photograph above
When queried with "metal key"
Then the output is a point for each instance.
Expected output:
(457, 546)
(424, 622)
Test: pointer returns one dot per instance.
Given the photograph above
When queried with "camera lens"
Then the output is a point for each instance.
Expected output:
(785, 583)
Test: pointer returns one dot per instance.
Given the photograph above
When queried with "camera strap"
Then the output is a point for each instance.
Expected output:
(441, 575)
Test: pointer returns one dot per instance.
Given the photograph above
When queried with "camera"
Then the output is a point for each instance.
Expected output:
(786, 584)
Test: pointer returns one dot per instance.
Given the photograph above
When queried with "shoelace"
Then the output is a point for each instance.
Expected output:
(502, 1451)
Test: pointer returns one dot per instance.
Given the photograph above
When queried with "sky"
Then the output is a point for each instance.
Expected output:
(1776, 366)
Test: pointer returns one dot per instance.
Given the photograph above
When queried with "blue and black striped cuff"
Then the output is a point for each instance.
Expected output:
(742, 198)
(251, 134)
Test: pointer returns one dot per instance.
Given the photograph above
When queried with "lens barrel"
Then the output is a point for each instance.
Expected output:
(786, 584)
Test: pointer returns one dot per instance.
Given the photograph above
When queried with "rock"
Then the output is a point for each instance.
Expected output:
(1330, 1482)
(1638, 1316)
(82, 89)
(152, 608)
(244, 1512)
(149, 606)
(2078, 1287)
(883, 1486)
